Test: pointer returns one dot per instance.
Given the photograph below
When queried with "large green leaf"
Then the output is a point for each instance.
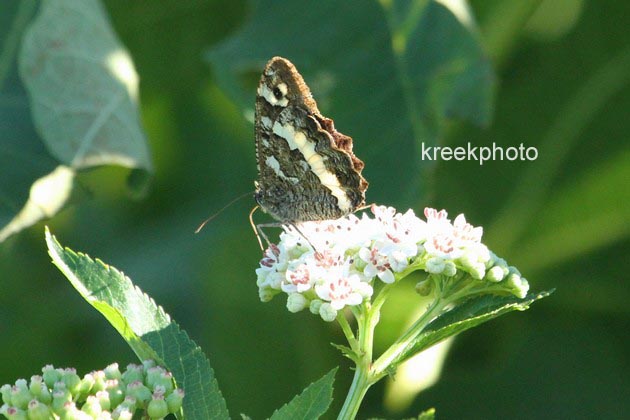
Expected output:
(83, 87)
(73, 107)
(311, 403)
(145, 326)
(469, 314)
(390, 74)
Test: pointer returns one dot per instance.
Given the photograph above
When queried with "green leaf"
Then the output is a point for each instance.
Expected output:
(389, 75)
(346, 351)
(311, 403)
(145, 326)
(74, 106)
(83, 87)
(467, 315)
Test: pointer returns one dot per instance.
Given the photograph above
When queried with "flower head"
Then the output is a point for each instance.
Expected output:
(354, 254)
(69, 396)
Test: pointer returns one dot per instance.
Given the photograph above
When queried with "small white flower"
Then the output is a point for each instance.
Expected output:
(327, 312)
(477, 271)
(435, 265)
(314, 306)
(265, 294)
(267, 265)
(516, 284)
(466, 232)
(442, 245)
(296, 302)
(482, 251)
(269, 278)
(377, 264)
(292, 244)
(270, 256)
(328, 259)
(449, 269)
(343, 290)
(383, 214)
(399, 254)
(495, 274)
(406, 228)
(297, 279)
(433, 216)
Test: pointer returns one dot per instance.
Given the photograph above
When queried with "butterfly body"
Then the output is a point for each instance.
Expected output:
(306, 168)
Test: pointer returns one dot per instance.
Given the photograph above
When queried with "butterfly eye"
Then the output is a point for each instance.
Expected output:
(277, 93)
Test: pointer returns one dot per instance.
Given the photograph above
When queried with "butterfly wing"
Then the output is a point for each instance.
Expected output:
(306, 168)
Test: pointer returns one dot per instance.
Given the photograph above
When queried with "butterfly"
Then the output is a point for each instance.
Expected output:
(306, 168)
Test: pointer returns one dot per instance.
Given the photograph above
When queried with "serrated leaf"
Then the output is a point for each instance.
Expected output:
(467, 315)
(311, 403)
(145, 326)
(395, 74)
(346, 351)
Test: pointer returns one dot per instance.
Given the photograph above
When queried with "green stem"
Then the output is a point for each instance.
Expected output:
(381, 365)
(360, 385)
(362, 377)
(347, 330)
(444, 296)
(379, 300)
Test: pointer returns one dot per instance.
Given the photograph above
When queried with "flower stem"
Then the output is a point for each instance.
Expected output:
(362, 376)
(381, 365)
(360, 385)
(347, 330)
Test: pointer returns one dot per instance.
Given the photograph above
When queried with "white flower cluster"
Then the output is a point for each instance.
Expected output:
(351, 253)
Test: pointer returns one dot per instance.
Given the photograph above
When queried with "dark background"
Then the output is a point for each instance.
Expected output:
(562, 69)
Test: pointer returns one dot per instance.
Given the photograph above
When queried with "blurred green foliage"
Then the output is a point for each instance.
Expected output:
(563, 69)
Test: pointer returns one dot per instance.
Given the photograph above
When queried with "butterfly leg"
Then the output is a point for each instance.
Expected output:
(257, 228)
(294, 226)
(266, 225)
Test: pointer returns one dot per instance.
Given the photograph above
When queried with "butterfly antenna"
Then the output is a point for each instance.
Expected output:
(221, 211)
